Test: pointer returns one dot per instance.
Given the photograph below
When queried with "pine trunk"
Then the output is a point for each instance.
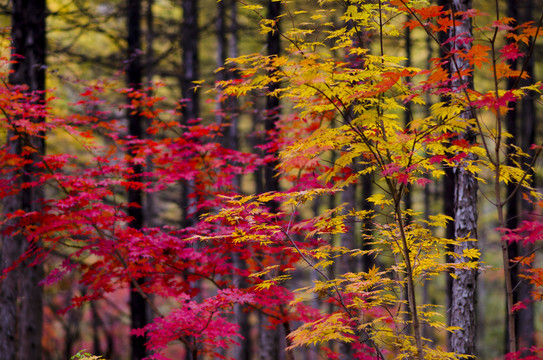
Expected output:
(464, 286)
(269, 336)
(524, 318)
(190, 35)
(191, 97)
(21, 305)
(138, 305)
(189, 44)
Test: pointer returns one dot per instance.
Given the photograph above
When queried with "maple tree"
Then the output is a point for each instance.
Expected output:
(373, 132)
(342, 122)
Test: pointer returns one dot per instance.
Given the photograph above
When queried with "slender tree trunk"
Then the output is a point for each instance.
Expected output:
(464, 294)
(525, 318)
(21, 305)
(95, 324)
(244, 351)
(269, 337)
(138, 306)
(367, 261)
(150, 198)
(512, 207)
(407, 118)
(31, 319)
(11, 251)
(427, 331)
(347, 240)
(408, 199)
(517, 209)
(189, 42)
(71, 326)
(191, 97)
(447, 187)
(227, 106)
(149, 39)
(190, 35)
(221, 51)
(272, 102)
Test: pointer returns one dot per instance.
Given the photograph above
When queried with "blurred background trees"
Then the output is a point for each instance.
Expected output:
(136, 43)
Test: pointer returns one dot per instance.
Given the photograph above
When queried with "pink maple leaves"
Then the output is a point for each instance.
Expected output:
(203, 326)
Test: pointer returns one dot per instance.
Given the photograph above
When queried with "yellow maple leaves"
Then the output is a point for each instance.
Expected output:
(332, 327)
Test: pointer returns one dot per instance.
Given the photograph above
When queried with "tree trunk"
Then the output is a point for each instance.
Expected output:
(138, 305)
(407, 114)
(347, 263)
(525, 326)
(269, 337)
(517, 209)
(367, 261)
(150, 219)
(464, 286)
(273, 110)
(448, 187)
(220, 32)
(191, 72)
(9, 289)
(190, 35)
(21, 327)
(191, 97)
(227, 109)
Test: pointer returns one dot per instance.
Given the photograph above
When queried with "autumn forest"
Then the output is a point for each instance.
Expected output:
(271, 179)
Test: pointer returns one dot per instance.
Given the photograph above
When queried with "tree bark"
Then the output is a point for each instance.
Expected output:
(347, 263)
(21, 305)
(464, 286)
(190, 35)
(227, 115)
(517, 209)
(138, 305)
(227, 106)
(447, 184)
(191, 96)
(189, 43)
(269, 337)
(407, 115)
(525, 318)
(273, 110)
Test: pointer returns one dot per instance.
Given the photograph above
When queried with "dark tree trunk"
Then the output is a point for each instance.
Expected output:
(149, 39)
(189, 43)
(227, 107)
(513, 206)
(525, 318)
(191, 97)
(227, 114)
(138, 305)
(221, 51)
(269, 338)
(95, 324)
(190, 35)
(464, 294)
(517, 209)
(367, 261)
(347, 263)
(273, 110)
(21, 307)
(150, 218)
(511, 117)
